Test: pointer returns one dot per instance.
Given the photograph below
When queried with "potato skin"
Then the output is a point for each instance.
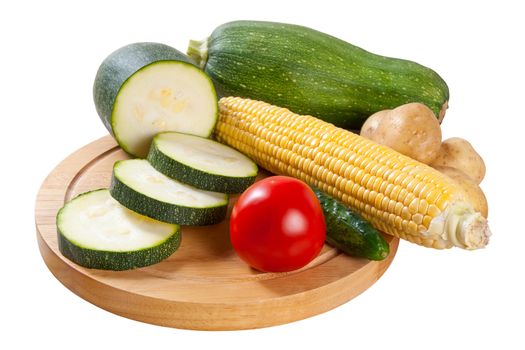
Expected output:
(471, 190)
(370, 126)
(458, 153)
(411, 129)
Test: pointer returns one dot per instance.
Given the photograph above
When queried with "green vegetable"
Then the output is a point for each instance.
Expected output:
(141, 188)
(201, 162)
(313, 73)
(349, 232)
(96, 232)
(145, 88)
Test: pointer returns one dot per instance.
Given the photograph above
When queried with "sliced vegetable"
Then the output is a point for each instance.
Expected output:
(145, 88)
(349, 232)
(277, 225)
(458, 153)
(96, 232)
(201, 162)
(313, 73)
(396, 194)
(141, 188)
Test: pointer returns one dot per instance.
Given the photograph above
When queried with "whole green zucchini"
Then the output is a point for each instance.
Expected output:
(349, 232)
(313, 73)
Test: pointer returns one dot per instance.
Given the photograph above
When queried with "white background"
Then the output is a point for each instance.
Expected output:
(429, 299)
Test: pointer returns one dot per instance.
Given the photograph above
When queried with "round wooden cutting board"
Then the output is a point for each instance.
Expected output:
(203, 285)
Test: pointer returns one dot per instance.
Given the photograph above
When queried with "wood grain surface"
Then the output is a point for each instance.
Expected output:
(203, 285)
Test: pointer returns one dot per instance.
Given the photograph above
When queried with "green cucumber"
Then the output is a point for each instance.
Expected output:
(96, 232)
(349, 232)
(145, 88)
(201, 162)
(313, 73)
(139, 187)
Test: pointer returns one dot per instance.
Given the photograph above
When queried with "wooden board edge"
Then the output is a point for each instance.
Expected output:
(219, 316)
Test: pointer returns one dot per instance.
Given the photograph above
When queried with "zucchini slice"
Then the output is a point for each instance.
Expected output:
(145, 88)
(201, 162)
(96, 232)
(141, 188)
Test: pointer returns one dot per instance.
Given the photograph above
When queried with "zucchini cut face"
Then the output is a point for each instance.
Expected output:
(163, 96)
(141, 188)
(202, 163)
(95, 231)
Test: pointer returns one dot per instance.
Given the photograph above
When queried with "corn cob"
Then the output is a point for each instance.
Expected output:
(397, 194)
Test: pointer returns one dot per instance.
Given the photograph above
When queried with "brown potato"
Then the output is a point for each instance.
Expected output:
(372, 122)
(459, 153)
(410, 129)
(471, 190)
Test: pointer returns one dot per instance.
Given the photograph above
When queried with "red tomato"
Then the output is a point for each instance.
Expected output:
(277, 225)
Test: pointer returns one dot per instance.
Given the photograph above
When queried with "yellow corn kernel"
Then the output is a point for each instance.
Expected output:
(397, 194)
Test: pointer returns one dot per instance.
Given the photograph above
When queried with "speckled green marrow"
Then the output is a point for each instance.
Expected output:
(144, 203)
(349, 232)
(313, 73)
(201, 163)
(122, 64)
(145, 88)
(107, 252)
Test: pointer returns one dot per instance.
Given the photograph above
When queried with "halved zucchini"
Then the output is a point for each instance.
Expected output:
(96, 232)
(141, 188)
(201, 162)
(145, 88)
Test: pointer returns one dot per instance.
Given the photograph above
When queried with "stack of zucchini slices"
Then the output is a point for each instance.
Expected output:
(178, 182)
(136, 222)
(185, 179)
